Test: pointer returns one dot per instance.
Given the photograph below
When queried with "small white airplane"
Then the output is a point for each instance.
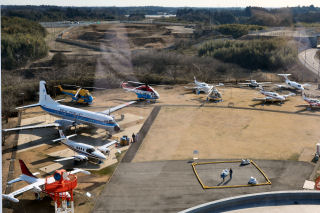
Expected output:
(313, 103)
(72, 116)
(202, 87)
(291, 84)
(84, 151)
(35, 184)
(272, 96)
(254, 83)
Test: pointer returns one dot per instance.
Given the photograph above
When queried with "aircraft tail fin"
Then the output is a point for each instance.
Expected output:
(44, 98)
(25, 170)
(285, 76)
(63, 138)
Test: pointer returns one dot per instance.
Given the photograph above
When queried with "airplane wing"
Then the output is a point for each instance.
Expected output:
(76, 170)
(195, 87)
(105, 147)
(245, 83)
(281, 85)
(290, 94)
(113, 109)
(22, 190)
(79, 157)
(32, 127)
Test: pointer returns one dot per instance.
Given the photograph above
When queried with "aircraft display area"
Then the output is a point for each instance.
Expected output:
(235, 128)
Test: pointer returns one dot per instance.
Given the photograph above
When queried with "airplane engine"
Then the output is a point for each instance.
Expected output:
(66, 124)
(36, 189)
(80, 158)
(104, 150)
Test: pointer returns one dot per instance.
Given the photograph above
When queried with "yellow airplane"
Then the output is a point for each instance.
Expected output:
(80, 95)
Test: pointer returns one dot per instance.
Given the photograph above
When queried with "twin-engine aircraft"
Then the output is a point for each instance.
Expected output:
(72, 116)
(142, 90)
(291, 84)
(272, 96)
(84, 151)
(313, 103)
(254, 83)
(35, 184)
(201, 87)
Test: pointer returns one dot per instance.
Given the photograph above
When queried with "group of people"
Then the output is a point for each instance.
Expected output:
(225, 173)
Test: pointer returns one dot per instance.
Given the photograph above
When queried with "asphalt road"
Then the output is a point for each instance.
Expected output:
(171, 186)
(307, 58)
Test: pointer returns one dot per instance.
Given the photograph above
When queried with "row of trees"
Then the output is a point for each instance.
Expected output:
(237, 30)
(21, 41)
(265, 54)
(251, 15)
(55, 13)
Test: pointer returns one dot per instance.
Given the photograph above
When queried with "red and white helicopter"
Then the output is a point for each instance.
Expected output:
(142, 90)
(35, 184)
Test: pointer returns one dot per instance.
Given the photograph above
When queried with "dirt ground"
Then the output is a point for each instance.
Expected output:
(270, 131)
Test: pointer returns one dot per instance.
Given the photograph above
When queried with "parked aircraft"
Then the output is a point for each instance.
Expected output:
(80, 95)
(272, 96)
(291, 84)
(313, 103)
(201, 87)
(254, 83)
(72, 116)
(142, 90)
(84, 151)
(214, 95)
(35, 184)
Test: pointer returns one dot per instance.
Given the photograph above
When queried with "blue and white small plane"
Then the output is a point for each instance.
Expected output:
(72, 116)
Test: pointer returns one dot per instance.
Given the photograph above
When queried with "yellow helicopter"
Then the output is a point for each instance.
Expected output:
(80, 95)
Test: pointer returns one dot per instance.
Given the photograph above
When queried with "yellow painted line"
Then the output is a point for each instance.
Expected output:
(231, 186)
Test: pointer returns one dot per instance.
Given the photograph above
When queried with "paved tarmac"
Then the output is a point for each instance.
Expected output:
(171, 186)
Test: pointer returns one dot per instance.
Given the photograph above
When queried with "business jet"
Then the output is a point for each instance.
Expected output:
(272, 96)
(84, 151)
(142, 90)
(35, 184)
(291, 84)
(72, 116)
(254, 83)
(313, 103)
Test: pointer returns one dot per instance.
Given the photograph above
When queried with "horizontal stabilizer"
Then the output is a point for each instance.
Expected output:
(28, 106)
(11, 198)
(76, 170)
(31, 127)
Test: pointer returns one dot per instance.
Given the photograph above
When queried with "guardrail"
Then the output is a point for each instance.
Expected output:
(256, 200)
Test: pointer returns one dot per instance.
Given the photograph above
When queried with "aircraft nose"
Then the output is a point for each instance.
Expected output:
(116, 128)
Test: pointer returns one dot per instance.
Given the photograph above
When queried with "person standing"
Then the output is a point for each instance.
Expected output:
(230, 172)
(133, 138)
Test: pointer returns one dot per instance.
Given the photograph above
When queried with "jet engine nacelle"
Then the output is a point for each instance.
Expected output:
(36, 189)
(66, 124)
(104, 150)
(80, 158)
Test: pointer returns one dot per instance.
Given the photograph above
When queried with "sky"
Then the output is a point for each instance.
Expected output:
(168, 3)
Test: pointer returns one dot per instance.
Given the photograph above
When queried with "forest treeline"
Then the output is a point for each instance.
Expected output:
(55, 13)
(237, 30)
(251, 15)
(265, 54)
(22, 40)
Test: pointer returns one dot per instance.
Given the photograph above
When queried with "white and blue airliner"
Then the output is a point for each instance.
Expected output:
(72, 116)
